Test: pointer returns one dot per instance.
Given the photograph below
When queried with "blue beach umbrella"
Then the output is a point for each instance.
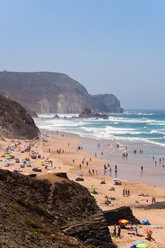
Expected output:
(80, 175)
(145, 222)
(16, 170)
(116, 179)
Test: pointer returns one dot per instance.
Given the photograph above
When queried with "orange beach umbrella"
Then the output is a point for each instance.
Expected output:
(123, 221)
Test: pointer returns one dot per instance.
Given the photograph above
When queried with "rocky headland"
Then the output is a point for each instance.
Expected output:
(51, 92)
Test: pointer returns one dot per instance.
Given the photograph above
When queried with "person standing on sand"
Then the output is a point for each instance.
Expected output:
(141, 170)
(115, 170)
(110, 171)
(119, 231)
(114, 231)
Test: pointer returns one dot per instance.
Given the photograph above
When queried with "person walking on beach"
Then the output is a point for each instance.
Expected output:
(141, 170)
(110, 171)
(115, 170)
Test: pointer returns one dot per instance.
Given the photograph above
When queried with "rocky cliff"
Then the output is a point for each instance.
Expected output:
(47, 211)
(15, 121)
(51, 92)
(110, 101)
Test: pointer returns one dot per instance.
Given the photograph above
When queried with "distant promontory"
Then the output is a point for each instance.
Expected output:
(51, 92)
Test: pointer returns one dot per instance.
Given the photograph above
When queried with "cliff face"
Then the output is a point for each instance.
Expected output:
(46, 212)
(49, 92)
(110, 101)
(15, 121)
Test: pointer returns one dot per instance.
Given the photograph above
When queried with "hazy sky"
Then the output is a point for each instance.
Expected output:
(109, 46)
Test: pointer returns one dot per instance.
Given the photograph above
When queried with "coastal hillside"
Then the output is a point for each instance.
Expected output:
(15, 121)
(52, 92)
(49, 212)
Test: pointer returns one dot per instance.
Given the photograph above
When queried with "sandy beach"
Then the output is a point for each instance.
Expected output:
(59, 153)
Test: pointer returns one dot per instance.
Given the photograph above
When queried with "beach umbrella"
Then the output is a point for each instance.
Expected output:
(16, 170)
(116, 179)
(137, 227)
(148, 230)
(145, 222)
(102, 177)
(42, 161)
(123, 221)
(144, 245)
(93, 187)
(80, 175)
(137, 242)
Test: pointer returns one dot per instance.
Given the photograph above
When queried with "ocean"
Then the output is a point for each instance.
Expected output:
(140, 129)
(146, 126)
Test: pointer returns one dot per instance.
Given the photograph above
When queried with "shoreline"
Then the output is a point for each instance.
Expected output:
(128, 169)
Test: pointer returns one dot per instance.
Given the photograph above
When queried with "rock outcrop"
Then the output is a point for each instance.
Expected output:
(46, 211)
(86, 113)
(51, 92)
(15, 121)
(113, 216)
